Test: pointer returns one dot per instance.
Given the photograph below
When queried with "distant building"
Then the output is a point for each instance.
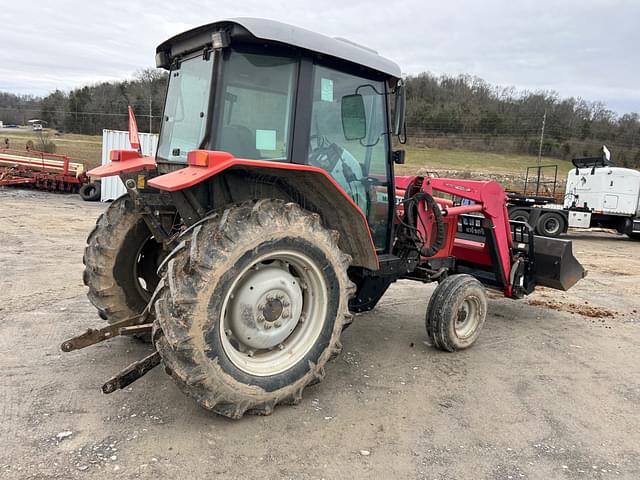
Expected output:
(37, 124)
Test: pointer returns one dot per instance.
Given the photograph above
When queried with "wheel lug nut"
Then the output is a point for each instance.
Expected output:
(280, 296)
(286, 303)
(260, 319)
(267, 326)
(285, 314)
(281, 347)
(277, 323)
(261, 306)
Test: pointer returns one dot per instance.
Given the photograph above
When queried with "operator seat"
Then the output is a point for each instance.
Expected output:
(239, 141)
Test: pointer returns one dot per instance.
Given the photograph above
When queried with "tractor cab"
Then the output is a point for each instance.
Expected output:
(262, 90)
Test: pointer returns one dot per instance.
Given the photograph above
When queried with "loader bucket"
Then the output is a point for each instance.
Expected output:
(555, 265)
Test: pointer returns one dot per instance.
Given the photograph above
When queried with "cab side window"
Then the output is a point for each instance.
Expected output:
(258, 97)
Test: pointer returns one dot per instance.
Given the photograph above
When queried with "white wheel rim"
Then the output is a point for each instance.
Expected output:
(468, 317)
(273, 313)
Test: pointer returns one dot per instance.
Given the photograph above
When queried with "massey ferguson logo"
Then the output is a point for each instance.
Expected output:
(458, 187)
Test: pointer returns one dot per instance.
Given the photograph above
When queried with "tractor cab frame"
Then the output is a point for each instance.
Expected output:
(311, 111)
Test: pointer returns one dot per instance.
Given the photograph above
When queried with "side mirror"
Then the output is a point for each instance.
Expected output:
(354, 119)
(401, 101)
(398, 157)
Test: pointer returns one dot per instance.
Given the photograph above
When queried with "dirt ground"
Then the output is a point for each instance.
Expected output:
(551, 390)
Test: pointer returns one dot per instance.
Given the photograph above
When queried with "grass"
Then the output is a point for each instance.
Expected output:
(85, 148)
(433, 159)
(88, 149)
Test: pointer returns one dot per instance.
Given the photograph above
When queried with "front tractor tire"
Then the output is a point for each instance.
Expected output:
(121, 259)
(456, 313)
(251, 306)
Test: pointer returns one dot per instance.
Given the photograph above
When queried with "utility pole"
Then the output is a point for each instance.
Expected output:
(150, 111)
(544, 120)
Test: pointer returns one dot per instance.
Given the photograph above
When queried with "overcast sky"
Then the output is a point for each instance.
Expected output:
(587, 48)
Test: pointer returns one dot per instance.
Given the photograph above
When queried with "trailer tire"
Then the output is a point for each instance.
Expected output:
(456, 313)
(90, 192)
(121, 258)
(519, 215)
(550, 224)
(233, 328)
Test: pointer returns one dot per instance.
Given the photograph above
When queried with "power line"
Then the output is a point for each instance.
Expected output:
(69, 112)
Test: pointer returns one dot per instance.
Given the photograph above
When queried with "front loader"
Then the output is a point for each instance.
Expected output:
(270, 215)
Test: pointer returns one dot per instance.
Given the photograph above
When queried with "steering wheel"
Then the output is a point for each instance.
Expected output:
(326, 155)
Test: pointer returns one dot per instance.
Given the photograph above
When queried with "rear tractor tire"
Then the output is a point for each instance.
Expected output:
(251, 307)
(121, 259)
(456, 313)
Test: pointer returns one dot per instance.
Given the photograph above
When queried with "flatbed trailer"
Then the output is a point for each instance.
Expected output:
(45, 171)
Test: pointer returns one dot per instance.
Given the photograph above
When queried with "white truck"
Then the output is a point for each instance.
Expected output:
(596, 195)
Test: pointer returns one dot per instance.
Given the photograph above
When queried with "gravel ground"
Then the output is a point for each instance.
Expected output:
(551, 390)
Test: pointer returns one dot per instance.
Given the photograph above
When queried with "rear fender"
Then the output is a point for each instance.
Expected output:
(123, 161)
(317, 190)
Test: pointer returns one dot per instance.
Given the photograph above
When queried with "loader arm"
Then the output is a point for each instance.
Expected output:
(492, 198)
(487, 242)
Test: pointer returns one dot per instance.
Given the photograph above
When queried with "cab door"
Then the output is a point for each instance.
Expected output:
(349, 139)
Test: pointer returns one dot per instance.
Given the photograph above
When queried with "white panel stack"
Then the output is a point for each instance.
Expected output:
(112, 187)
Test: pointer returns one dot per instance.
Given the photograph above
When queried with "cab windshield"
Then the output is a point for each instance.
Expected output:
(185, 112)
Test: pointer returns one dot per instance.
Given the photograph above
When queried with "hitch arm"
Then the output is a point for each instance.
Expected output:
(132, 373)
(135, 325)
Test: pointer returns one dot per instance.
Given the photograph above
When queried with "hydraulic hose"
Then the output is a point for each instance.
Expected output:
(431, 205)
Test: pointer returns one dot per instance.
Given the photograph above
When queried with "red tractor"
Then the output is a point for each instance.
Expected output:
(270, 215)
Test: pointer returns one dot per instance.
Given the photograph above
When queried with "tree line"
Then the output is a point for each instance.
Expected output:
(92, 108)
(467, 112)
(442, 111)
